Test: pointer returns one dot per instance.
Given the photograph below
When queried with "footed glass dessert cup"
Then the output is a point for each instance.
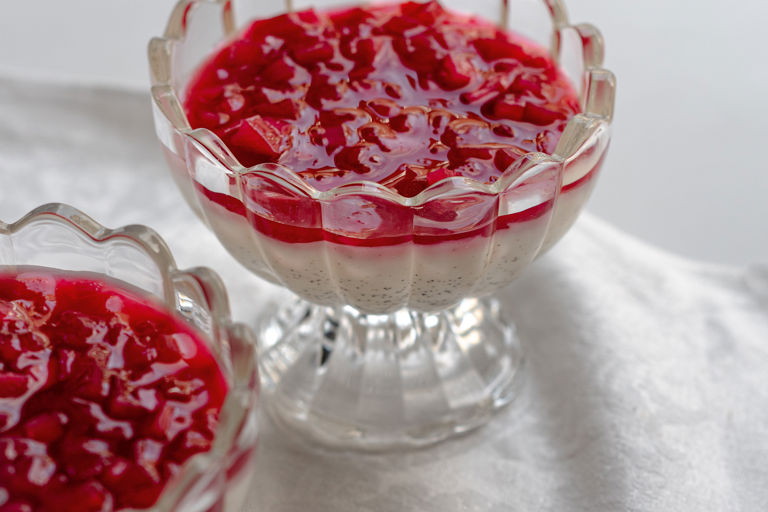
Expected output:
(395, 339)
(56, 241)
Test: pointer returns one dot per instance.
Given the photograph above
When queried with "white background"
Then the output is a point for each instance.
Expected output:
(688, 166)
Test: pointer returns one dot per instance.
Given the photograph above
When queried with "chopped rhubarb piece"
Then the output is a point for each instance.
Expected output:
(286, 26)
(361, 51)
(439, 175)
(541, 116)
(421, 53)
(454, 73)
(263, 136)
(467, 153)
(505, 157)
(500, 48)
(526, 85)
(310, 56)
(397, 24)
(350, 19)
(505, 109)
(244, 53)
(47, 427)
(278, 71)
(426, 13)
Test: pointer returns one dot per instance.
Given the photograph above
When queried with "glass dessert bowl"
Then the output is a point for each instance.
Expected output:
(124, 385)
(396, 339)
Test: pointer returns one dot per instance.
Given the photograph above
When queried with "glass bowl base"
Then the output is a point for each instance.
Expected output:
(351, 380)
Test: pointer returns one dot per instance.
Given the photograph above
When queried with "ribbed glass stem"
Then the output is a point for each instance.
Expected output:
(381, 381)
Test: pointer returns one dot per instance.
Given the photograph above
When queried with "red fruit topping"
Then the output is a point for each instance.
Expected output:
(310, 56)
(278, 71)
(372, 94)
(541, 116)
(86, 497)
(103, 394)
(503, 109)
(46, 427)
(262, 136)
(454, 75)
(12, 385)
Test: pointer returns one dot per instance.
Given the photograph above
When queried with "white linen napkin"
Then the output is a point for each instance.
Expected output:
(647, 384)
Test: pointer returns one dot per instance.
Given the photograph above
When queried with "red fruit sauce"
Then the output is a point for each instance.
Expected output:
(404, 95)
(103, 394)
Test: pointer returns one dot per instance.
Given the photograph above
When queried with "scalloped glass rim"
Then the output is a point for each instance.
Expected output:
(598, 103)
(241, 401)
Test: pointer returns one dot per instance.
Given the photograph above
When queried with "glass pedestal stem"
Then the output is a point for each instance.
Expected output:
(375, 382)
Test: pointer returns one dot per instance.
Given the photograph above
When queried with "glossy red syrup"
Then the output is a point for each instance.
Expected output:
(404, 95)
(103, 394)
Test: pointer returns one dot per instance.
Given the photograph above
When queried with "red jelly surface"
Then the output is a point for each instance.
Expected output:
(404, 95)
(103, 394)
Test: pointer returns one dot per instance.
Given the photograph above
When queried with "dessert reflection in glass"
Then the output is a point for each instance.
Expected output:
(123, 383)
(393, 165)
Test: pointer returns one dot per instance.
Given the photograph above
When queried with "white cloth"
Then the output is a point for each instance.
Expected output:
(647, 385)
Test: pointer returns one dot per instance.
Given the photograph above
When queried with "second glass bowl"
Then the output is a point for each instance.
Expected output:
(61, 238)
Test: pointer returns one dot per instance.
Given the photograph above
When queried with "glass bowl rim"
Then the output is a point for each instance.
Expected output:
(579, 131)
(241, 402)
